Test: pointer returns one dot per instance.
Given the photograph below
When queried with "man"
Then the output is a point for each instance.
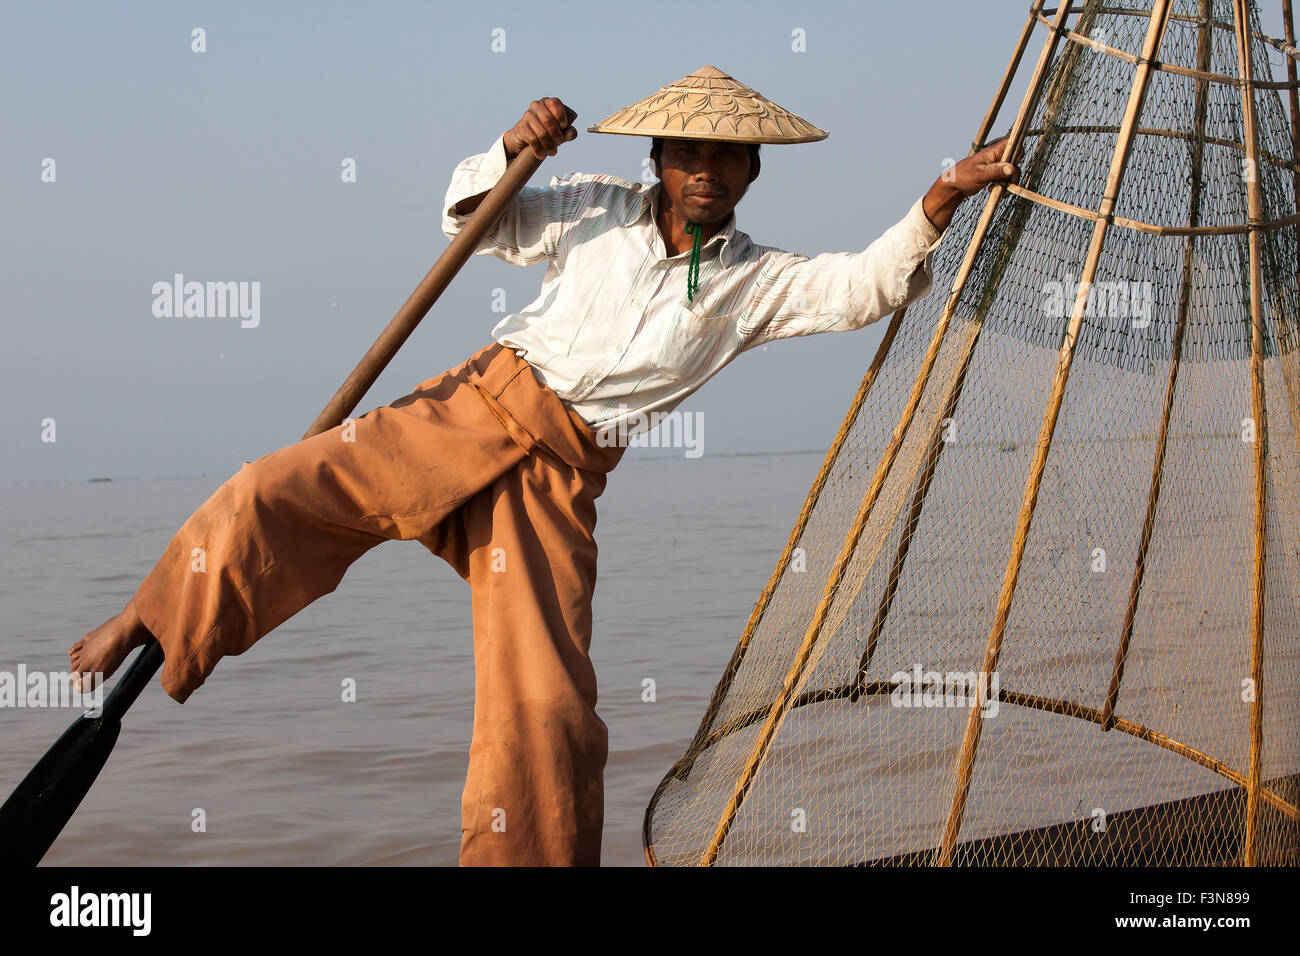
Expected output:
(495, 465)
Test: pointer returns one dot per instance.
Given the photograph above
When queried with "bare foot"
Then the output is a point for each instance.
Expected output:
(103, 649)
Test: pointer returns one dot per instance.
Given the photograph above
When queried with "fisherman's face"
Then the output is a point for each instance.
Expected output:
(705, 179)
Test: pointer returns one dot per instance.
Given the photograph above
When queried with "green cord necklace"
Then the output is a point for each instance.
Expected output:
(693, 271)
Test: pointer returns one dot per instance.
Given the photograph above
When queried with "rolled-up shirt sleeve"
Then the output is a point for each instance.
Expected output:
(531, 227)
(841, 291)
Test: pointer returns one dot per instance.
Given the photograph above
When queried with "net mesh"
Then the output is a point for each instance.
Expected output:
(859, 761)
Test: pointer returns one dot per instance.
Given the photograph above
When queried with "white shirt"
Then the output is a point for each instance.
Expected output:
(613, 333)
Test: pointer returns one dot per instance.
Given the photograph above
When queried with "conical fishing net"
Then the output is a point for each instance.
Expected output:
(1043, 602)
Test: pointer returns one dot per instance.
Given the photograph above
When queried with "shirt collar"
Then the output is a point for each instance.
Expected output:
(724, 238)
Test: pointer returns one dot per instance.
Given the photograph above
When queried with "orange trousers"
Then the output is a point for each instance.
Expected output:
(489, 469)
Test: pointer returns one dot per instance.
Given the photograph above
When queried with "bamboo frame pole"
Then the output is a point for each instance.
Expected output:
(795, 674)
(1015, 225)
(981, 137)
(1137, 95)
(703, 735)
(1054, 705)
(928, 470)
(1261, 155)
(1152, 229)
(1241, 16)
(1074, 37)
(1289, 364)
(1288, 33)
(936, 444)
(855, 406)
(1288, 360)
(1204, 49)
(682, 768)
(1286, 47)
(1293, 97)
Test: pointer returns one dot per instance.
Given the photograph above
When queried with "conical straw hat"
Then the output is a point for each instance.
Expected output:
(708, 104)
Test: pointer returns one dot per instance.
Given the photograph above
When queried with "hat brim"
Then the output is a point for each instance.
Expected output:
(714, 137)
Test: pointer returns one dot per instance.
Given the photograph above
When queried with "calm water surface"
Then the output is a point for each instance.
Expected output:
(284, 771)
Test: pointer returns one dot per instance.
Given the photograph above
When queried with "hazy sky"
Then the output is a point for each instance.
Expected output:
(225, 166)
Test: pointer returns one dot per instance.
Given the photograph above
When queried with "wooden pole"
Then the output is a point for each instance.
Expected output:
(1241, 16)
(1137, 95)
(34, 815)
(804, 654)
(1204, 48)
(435, 282)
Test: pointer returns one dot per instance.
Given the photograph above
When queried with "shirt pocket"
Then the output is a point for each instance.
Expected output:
(692, 341)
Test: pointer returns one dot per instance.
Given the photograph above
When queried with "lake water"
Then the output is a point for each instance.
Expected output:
(284, 771)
